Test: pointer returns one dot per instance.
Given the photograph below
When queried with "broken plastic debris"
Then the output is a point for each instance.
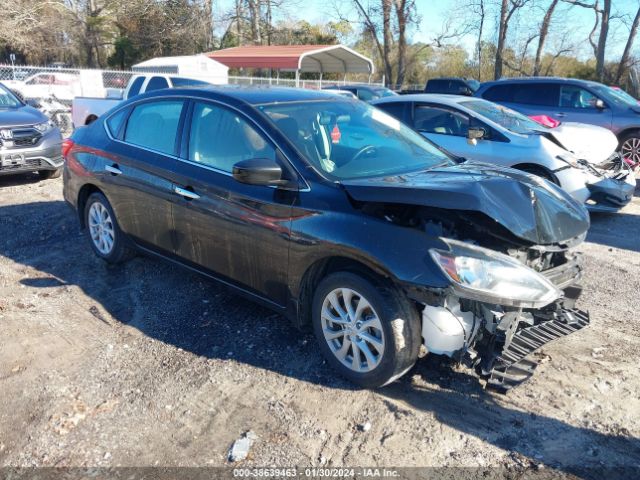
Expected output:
(240, 448)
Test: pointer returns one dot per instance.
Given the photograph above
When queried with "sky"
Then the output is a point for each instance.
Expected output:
(434, 14)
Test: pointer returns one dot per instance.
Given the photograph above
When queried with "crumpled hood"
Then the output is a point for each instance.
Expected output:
(10, 117)
(530, 208)
(588, 142)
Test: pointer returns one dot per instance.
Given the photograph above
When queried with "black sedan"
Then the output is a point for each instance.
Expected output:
(340, 217)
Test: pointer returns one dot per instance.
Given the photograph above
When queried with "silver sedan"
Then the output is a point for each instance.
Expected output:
(580, 158)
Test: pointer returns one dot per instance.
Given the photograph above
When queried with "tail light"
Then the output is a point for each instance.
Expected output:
(67, 144)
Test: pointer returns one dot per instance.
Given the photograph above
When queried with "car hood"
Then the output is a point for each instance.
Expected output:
(589, 142)
(13, 117)
(530, 208)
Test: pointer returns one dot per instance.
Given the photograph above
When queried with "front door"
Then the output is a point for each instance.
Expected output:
(239, 232)
(577, 104)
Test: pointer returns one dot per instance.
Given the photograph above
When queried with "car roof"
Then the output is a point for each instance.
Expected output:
(569, 81)
(442, 98)
(358, 85)
(252, 95)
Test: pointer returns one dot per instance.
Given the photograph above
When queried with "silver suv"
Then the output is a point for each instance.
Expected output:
(29, 141)
(572, 100)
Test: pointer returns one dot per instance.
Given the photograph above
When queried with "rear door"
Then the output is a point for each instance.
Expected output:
(239, 232)
(137, 177)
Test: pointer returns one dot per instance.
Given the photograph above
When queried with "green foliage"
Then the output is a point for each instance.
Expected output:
(124, 55)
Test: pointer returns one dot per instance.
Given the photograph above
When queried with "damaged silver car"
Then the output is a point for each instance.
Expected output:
(581, 158)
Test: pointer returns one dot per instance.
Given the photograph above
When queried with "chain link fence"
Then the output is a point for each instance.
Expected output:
(52, 90)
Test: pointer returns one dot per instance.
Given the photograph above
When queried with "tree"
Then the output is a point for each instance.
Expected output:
(507, 9)
(624, 60)
(544, 31)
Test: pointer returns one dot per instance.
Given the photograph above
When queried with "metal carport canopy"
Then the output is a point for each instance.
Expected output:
(298, 58)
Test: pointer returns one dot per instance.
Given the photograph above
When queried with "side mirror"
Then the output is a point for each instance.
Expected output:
(474, 134)
(465, 91)
(258, 171)
(600, 104)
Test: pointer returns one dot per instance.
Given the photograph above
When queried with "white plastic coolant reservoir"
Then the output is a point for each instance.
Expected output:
(444, 330)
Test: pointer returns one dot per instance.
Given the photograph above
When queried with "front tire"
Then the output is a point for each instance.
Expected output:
(630, 146)
(369, 333)
(105, 237)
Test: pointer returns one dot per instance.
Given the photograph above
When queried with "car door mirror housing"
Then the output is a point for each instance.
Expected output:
(259, 171)
(474, 134)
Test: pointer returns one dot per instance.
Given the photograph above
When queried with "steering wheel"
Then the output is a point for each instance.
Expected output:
(363, 151)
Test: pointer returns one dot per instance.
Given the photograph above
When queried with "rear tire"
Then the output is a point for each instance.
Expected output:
(369, 333)
(47, 174)
(105, 237)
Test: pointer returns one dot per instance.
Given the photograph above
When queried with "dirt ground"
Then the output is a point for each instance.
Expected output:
(147, 364)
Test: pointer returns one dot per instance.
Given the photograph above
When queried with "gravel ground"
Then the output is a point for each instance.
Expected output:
(150, 365)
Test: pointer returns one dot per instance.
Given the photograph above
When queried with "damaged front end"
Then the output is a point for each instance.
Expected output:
(504, 243)
(501, 308)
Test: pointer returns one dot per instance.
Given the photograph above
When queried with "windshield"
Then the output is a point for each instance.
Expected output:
(347, 139)
(8, 99)
(503, 116)
(619, 98)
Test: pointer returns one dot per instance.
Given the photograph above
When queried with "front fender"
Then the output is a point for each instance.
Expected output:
(395, 252)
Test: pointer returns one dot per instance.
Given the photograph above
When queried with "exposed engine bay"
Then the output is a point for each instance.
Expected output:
(494, 338)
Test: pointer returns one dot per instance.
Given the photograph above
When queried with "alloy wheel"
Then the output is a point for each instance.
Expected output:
(352, 329)
(631, 149)
(101, 228)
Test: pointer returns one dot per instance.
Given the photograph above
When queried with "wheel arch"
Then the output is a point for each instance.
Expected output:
(623, 133)
(83, 195)
(325, 266)
(536, 167)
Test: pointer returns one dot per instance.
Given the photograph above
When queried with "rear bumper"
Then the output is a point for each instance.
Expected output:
(47, 155)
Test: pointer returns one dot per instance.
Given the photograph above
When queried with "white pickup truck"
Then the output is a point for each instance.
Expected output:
(85, 110)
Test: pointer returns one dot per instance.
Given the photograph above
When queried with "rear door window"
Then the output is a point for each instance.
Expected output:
(536, 94)
(154, 125)
(499, 93)
(576, 97)
(220, 138)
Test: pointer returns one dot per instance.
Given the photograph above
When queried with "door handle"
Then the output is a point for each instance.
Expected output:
(183, 192)
(561, 115)
(113, 169)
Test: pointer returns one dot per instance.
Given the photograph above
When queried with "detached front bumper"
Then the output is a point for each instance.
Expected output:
(606, 187)
(45, 155)
(511, 364)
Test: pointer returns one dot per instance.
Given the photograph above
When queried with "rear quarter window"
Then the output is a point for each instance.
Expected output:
(116, 121)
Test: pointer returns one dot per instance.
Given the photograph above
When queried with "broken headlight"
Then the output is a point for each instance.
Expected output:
(488, 276)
